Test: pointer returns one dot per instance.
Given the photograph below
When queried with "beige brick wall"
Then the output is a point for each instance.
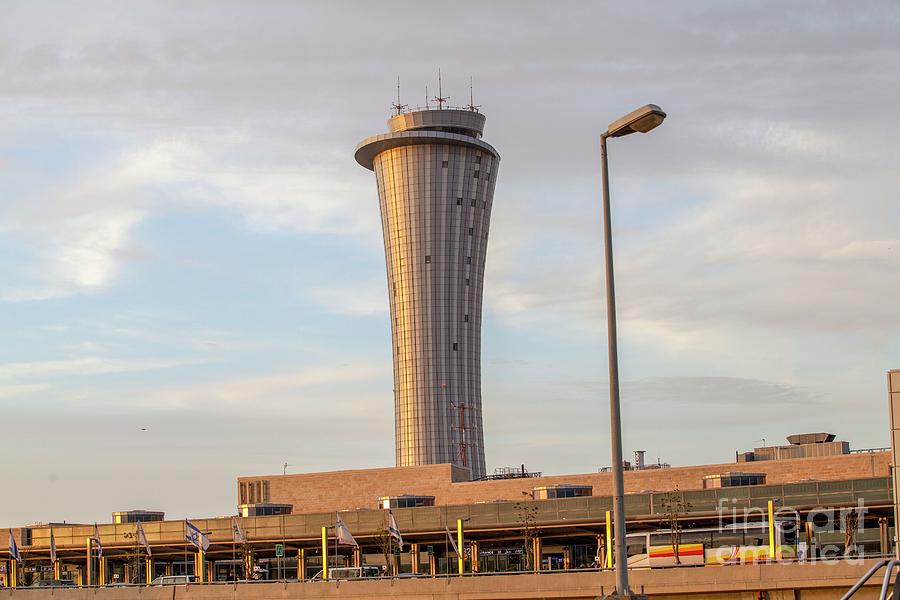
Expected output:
(347, 490)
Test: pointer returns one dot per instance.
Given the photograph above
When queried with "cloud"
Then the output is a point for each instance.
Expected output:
(88, 221)
(86, 366)
(14, 391)
(291, 392)
(357, 299)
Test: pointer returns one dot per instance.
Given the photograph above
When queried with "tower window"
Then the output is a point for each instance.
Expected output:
(475, 175)
(466, 318)
(427, 259)
(467, 281)
(445, 164)
(455, 346)
(471, 230)
(459, 201)
(478, 160)
(473, 202)
(468, 260)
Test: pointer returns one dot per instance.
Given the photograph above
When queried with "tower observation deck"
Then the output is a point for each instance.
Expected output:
(435, 181)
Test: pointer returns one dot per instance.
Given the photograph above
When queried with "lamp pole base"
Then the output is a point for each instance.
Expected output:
(628, 596)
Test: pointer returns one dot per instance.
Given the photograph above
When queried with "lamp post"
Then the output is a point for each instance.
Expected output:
(641, 120)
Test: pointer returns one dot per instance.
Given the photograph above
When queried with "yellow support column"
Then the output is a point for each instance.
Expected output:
(89, 564)
(432, 564)
(198, 565)
(324, 553)
(771, 530)
(608, 540)
(461, 561)
(148, 566)
(357, 557)
(537, 552)
(102, 579)
(476, 559)
(414, 557)
(567, 558)
(13, 573)
(301, 564)
(57, 570)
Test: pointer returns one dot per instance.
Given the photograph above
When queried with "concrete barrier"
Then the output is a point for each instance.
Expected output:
(746, 582)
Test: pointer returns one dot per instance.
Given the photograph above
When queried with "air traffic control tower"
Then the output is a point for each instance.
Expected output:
(435, 187)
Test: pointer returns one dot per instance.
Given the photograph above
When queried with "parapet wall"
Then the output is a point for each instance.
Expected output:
(348, 490)
(775, 582)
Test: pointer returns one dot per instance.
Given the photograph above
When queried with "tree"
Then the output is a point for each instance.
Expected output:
(386, 543)
(674, 506)
(135, 558)
(248, 560)
(851, 526)
(527, 516)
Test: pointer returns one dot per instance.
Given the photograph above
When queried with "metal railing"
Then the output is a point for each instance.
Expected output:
(889, 565)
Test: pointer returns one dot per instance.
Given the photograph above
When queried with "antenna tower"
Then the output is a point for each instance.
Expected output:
(472, 105)
(398, 107)
(440, 99)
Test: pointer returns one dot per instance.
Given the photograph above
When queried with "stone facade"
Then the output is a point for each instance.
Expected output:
(348, 490)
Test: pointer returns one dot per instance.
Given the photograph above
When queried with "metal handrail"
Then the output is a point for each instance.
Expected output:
(889, 564)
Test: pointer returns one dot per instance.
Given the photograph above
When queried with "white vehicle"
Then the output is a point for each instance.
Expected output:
(347, 573)
(174, 580)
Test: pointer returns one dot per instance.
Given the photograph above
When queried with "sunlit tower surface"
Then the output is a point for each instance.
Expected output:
(435, 181)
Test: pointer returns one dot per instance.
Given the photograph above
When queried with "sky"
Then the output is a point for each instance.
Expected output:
(192, 279)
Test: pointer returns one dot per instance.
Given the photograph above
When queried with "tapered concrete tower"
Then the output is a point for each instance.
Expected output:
(435, 186)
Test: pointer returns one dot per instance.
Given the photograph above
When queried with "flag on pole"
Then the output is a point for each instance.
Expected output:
(142, 539)
(96, 538)
(394, 530)
(453, 542)
(237, 533)
(52, 547)
(195, 536)
(13, 548)
(342, 533)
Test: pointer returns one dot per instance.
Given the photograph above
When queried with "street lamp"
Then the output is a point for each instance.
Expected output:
(641, 120)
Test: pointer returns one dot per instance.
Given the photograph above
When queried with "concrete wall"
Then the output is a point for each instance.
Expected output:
(776, 582)
(348, 490)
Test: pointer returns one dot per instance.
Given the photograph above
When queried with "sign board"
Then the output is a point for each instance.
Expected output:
(279, 550)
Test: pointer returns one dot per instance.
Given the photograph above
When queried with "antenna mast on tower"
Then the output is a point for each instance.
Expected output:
(472, 105)
(440, 99)
(398, 107)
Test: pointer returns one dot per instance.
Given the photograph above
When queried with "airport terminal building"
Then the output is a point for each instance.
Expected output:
(511, 521)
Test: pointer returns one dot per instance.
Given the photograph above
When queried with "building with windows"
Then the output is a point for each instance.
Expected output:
(138, 516)
(435, 179)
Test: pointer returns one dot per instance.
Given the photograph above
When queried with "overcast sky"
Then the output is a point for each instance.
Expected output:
(192, 281)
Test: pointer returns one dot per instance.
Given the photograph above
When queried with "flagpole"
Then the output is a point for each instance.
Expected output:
(233, 549)
(446, 541)
(184, 535)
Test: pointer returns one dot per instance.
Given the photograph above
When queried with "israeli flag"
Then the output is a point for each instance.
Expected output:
(342, 533)
(195, 536)
(142, 539)
(52, 547)
(13, 548)
(96, 538)
(394, 530)
(452, 542)
(237, 532)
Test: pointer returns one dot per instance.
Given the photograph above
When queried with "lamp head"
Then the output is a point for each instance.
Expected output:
(641, 120)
